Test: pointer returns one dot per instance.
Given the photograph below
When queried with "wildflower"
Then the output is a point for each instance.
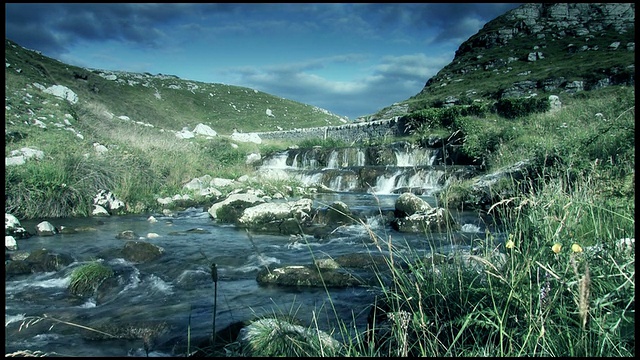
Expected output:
(576, 248)
(510, 244)
(556, 247)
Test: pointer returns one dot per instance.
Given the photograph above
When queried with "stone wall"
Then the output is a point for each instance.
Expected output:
(356, 131)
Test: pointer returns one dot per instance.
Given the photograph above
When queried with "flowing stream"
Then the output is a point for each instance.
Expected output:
(175, 294)
(177, 289)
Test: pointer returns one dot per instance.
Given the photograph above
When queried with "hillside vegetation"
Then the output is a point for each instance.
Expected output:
(136, 117)
(164, 101)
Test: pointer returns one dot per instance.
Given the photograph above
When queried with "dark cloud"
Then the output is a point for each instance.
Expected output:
(53, 28)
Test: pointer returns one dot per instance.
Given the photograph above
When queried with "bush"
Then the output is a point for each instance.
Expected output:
(512, 108)
(442, 117)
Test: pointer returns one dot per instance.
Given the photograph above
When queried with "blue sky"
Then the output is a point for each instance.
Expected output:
(349, 58)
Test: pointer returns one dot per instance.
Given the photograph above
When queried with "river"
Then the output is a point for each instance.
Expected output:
(177, 289)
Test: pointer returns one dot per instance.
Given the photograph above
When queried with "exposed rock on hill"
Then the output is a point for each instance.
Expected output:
(537, 48)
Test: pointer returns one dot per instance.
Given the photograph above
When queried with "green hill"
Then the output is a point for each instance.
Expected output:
(164, 101)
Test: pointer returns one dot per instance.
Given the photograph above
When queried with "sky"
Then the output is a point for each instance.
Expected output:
(351, 59)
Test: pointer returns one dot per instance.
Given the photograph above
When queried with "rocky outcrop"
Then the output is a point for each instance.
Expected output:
(508, 182)
(561, 19)
(516, 49)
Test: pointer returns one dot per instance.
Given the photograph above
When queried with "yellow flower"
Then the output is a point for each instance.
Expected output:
(556, 247)
(510, 244)
(576, 248)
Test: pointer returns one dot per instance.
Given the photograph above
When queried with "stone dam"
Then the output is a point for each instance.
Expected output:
(354, 132)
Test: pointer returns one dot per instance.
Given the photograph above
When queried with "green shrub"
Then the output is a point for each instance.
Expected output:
(512, 108)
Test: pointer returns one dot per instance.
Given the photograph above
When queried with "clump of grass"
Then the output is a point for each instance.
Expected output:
(86, 278)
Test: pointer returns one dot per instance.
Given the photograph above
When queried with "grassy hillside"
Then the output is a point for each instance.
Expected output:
(164, 101)
(135, 117)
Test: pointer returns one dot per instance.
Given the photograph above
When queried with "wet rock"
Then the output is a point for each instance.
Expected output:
(305, 275)
(41, 260)
(12, 227)
(231, 209)
(45, 228)
(128, 235)
(141, 251)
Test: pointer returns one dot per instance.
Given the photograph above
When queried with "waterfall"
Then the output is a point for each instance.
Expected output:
(414, 157)
(310, 179)
(425, 180)
(279, 161)
(385, 184)
(333, 160)
(349, 169)
(360, 157)
(345, 182)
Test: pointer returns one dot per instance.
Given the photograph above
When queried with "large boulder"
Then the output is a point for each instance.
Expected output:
(141, 251)
(284, 217)
(42, 260)
(231, 208)
(62, 92)
(409, 204)
(205, 130)
(414, 215)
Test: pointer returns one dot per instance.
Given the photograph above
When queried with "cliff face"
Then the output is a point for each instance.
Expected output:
(538, 49)
(552, 21)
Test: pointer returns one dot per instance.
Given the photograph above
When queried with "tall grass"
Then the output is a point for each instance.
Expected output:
(557, 278)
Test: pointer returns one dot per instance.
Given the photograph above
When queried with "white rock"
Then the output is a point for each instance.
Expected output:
(45, 228)
(205, 130)
(10, 243)
(99, 211)
(62, 92)
(11, 222)
(14, 160)
(253, 158)
(246, 137)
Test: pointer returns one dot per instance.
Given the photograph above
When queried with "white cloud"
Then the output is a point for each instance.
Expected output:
(393, 79)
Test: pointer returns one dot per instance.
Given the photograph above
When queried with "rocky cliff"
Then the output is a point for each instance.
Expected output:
(536, 48)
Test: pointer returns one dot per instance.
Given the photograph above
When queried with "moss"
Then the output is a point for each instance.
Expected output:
(87, 278)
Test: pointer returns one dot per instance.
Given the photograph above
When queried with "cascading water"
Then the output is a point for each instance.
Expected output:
(398, 167)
